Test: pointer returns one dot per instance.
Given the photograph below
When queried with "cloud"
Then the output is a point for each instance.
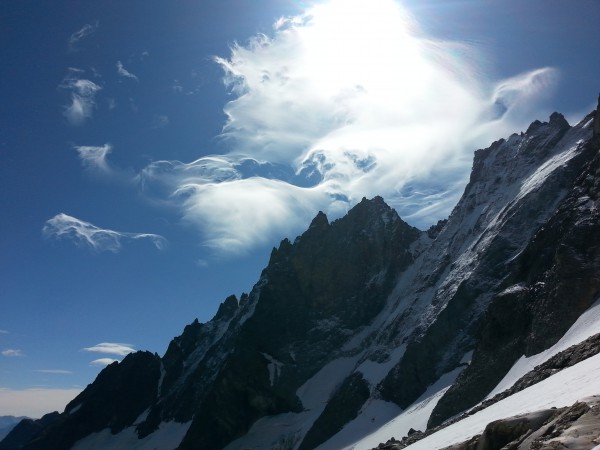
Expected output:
(3, 332)
(54, 371)
(86, 31)
(83, 94)
(94, 157)
(160, 121)
(102, 362)
(348, 100)
(124, 72)
(88, 235)
(177, 87)
(111, 348)
(11, 353)
(34, 403)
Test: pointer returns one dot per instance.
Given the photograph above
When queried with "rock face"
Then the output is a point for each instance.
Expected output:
(367, 308)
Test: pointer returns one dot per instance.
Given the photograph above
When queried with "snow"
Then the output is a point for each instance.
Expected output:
(274, 368)
(167, 437)
(562, 389)
(315, 392)
(416, 417)
(75, 408)
(284, 431)
(520, 287)
(374, 372)
(374, 414)
(536, 179)
(587, 325)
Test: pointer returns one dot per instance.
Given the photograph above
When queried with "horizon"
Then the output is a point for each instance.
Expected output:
(151, 161)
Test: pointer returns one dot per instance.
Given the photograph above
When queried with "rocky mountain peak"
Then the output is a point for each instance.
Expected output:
(319, 222)
(227, 309)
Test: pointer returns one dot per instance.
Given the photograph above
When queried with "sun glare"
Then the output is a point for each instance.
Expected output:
(358, 44)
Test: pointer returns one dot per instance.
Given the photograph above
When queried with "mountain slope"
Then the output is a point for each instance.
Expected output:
(366, 315)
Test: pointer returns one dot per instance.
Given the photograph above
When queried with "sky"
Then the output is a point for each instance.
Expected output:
(152, 153)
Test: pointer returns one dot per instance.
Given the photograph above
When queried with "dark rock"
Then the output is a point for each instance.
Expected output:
(27, 430)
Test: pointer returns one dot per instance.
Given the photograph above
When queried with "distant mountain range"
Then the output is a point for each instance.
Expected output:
(366, 328)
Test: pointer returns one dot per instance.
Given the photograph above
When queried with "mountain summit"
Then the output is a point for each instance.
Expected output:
(364, 317)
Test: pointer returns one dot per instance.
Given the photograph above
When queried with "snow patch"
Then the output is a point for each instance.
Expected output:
(415, 416)
(274, 368)
(587, 325)
(315, 392)
(562, 389)
(514, 289)
(534, 181)
(168, 437)
(75, 409)
(374, 372)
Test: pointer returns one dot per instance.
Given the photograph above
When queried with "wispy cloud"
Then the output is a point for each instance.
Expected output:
(177, 87)
(34, 403)
(124, 72)
(11, 353)
(111, 348)
(160, 121)
(3, 332)
(94, 157)
(85, 31)
(88, 235)
(83, 94)
(102, 362)
(54, 371)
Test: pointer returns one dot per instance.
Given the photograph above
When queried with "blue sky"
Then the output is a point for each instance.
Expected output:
(152, 153)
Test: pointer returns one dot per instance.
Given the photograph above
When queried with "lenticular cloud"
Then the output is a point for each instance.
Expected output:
(355, 101)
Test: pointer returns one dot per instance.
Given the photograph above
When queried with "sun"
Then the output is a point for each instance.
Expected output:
(356, 43)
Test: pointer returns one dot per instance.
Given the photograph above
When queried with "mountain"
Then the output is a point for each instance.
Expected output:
(366, 323)
(7, 423)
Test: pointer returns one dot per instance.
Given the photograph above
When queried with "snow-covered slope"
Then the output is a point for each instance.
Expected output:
(562, 389)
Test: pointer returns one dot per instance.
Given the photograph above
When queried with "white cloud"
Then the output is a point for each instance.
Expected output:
(34, 403)
(111, 348)
(3, 332)
(246, 212)
(384, 99)
(85, 31)
(103, 362)
(54, 371)
(94, 157)
(88, 235)
(82, 93)
(345, 101)
(11, 352)
(124, 72)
